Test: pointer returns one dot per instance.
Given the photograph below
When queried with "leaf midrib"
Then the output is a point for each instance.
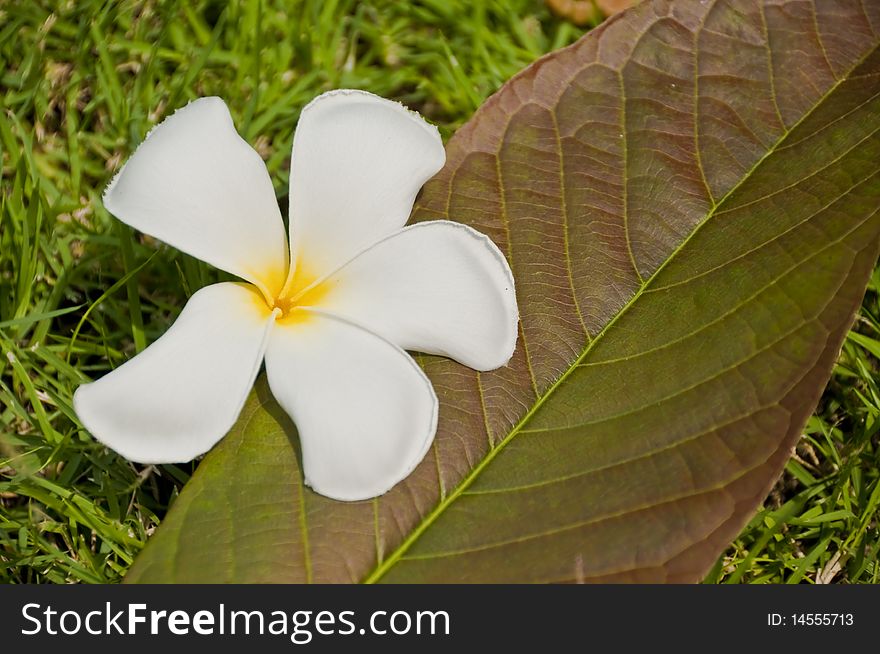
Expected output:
(695, 436)
(380, 570)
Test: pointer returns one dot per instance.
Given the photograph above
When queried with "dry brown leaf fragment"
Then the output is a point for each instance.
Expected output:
(584, 12)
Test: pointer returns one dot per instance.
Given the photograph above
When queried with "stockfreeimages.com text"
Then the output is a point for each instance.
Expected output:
(299, 626)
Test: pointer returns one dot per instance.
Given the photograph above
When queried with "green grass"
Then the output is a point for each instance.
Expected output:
(82, 82)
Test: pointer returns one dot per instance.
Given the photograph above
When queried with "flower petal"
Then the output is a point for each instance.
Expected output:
(358, 162)
(181, 395)
(366, 413)
(438, 287)
(197, 185)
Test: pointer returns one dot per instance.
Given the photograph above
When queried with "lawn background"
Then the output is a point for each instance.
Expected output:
(82, 82)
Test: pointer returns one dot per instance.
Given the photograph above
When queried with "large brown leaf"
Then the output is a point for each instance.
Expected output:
(688, 197)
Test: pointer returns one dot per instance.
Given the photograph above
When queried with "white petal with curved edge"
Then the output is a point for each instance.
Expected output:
(438, 287)
(365, 412)
(177, 398)
(197, 185)
(358, 162)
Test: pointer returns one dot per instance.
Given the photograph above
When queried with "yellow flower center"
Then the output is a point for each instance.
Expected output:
(301, 292)
(284, 304)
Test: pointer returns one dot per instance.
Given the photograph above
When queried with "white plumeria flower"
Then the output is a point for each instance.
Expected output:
(332, 314)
